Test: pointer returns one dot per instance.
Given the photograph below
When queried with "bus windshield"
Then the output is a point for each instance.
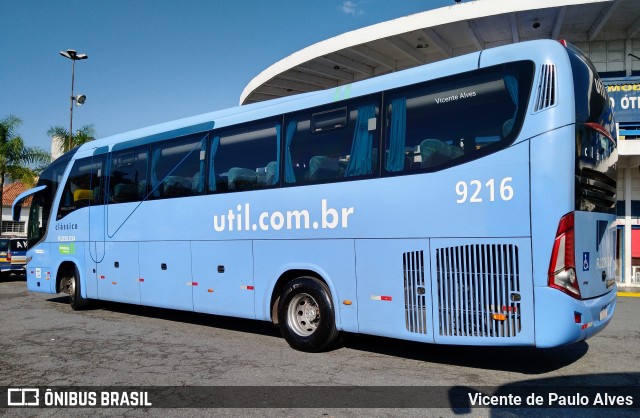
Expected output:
(42, 201)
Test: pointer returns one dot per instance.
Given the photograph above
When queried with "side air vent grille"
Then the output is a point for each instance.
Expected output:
(414, 292)
(547, 88)
(478, 291)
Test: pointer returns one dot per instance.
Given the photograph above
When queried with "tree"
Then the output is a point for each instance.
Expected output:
(85, 134)
(16, 159)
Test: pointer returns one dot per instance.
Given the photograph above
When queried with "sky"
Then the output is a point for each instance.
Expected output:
(153, 61)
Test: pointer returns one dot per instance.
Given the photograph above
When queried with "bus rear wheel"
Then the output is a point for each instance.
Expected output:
(70, 284)
(306, 315)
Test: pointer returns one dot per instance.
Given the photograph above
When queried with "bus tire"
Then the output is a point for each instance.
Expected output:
(71, 282)
(306, 315)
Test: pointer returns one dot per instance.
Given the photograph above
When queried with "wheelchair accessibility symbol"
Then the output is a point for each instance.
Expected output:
(585, 261)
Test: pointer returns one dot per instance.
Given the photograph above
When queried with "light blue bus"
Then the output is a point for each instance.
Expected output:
(470, 201)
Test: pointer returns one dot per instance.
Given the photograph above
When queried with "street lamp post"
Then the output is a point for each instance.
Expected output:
(73, 56)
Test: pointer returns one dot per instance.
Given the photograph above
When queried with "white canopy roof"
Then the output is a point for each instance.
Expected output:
(438, 34)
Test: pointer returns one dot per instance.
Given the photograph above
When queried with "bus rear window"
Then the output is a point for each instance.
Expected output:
(596, 139)
(592, 102)
(456, 119)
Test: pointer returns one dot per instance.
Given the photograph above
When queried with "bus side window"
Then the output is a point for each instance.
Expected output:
(331, 144)
(445, 122)
(178, 167)
(128, 177)
(83, 187)
(245, 158)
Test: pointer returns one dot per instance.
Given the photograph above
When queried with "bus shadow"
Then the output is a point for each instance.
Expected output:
(186, 317)
(524, 360)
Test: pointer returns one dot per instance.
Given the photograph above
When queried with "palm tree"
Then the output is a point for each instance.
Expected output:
(16, 159)
(85, 134)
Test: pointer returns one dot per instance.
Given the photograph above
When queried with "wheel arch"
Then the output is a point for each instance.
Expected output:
(65, 267)
(292, 274)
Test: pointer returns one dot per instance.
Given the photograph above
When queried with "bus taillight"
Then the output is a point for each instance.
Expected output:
(601, 130)
(562, 268)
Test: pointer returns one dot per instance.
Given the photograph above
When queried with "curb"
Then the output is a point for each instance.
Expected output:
(629, 294)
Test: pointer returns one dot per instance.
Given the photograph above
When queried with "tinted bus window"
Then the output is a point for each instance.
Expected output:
(596, 139)
(446, 122)
(592, 103)
(331, 143)
(178, 167)
(83, 187)
(245, 158)
(128, 177)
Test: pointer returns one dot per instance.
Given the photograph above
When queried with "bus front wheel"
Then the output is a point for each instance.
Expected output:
(71, 285)
(306, 315)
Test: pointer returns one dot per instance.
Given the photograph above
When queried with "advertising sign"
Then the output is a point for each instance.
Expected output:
(624, 94)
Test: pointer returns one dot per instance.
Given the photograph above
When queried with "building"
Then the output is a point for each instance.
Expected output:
(9, 227)
(57, 144)
(608, 31)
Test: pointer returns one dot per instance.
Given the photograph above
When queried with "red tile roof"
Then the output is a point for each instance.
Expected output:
(11, 191)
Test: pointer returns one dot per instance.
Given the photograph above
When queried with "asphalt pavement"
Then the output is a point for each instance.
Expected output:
(233, 363)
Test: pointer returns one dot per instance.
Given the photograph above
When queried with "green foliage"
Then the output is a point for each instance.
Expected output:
(83, 135)
(16, 159)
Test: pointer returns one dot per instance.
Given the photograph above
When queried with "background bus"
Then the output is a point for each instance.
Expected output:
(5, 264)
(470, 201)
(13, 255)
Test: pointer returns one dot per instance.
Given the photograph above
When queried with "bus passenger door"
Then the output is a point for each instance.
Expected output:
(223, 272)
(96, 233)
(95, 248)
(97, 211)
(394, 290)
(165, 274)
